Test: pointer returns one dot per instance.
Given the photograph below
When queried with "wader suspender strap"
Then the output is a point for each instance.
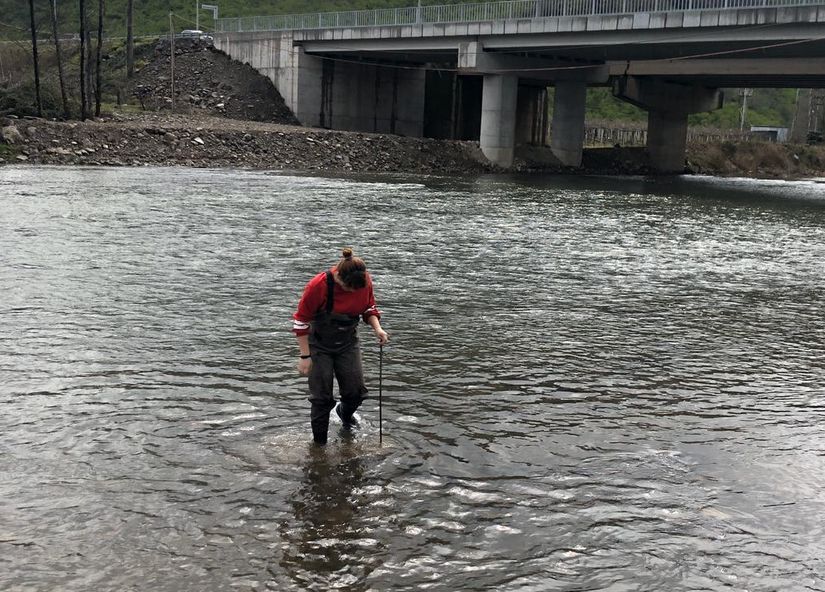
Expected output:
(330, 291)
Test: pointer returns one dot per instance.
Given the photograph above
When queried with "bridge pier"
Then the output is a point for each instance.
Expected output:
(668, 106)
(498, 118)
(567, 129)
(667, 141)
(531, 115)
(303, 79)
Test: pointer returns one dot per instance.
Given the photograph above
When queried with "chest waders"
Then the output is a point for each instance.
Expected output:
(333, 343)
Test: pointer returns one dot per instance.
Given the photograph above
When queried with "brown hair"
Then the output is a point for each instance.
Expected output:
(352, 271)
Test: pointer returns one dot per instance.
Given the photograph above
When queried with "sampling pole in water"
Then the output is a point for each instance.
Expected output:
(380, 393)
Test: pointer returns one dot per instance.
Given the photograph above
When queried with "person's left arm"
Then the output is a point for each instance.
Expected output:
(375, 323)
(372, 316)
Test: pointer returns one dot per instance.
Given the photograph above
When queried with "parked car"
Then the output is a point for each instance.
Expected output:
(196, 34)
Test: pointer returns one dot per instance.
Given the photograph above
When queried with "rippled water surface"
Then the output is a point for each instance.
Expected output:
(592, 384)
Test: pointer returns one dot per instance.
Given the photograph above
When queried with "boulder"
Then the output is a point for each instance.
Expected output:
(10, 135)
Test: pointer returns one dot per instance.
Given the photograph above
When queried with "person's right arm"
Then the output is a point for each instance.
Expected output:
(311, 300)
(304, 363)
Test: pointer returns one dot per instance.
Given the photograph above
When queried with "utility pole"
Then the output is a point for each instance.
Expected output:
(197, 16)
(817, 103)
(172, 56)
(744, 93)
(793, 135)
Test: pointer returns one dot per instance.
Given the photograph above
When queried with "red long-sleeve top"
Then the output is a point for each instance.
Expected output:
(314, 299)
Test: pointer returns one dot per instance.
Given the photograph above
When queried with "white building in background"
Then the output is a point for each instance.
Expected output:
(772, 134)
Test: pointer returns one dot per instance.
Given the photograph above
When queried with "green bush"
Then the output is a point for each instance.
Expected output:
(7, 152)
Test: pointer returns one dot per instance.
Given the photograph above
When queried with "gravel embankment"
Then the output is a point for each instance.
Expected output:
(204, 141)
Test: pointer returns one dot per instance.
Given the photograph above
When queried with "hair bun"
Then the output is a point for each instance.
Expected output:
(352, 270)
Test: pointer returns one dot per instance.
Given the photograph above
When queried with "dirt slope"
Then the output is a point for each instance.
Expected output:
(207, 81)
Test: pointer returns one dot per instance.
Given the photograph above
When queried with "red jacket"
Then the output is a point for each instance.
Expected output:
(353, 303)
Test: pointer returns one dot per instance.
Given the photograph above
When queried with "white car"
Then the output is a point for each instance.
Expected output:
(195, 34)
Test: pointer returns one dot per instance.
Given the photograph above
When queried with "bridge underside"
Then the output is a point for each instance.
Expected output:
(493, 88)
(779, 56)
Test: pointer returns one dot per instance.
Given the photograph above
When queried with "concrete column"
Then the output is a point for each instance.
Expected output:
(498, 118)
(668, 105)
(304, 77)
(531, 116)
(567, 129)
(667, 140)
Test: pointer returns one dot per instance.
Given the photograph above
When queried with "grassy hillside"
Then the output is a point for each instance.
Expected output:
(767, 106)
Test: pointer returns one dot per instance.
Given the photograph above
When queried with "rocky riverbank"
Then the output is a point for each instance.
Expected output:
(197, 140)
(203, 140)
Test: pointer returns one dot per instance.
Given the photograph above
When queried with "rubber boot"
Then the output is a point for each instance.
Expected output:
(320, 425)
(347, 417)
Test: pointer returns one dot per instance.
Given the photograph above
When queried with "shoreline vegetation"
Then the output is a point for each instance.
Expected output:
(228, 115)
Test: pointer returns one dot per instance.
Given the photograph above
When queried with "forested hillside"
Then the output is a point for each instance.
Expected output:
(152, 17)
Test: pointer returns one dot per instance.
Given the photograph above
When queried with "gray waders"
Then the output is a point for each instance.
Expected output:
(333, 344)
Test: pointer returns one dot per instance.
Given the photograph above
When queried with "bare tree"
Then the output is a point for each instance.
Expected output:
(36, 61)
(101, 10)
(59, 56)
(130, 39)
(84, 99)
(90, 65)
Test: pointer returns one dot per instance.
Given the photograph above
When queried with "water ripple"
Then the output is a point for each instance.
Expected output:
(591, 385)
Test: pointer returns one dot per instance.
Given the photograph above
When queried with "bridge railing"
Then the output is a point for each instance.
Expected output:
(484, 12)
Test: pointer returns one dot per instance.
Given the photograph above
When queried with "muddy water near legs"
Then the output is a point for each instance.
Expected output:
(592, 384)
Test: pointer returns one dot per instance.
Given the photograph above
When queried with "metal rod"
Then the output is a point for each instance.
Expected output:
(380, 394)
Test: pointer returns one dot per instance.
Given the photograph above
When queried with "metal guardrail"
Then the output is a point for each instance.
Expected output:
(483, 12)
(637, 136)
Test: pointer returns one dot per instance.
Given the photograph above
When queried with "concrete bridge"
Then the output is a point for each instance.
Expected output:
(481, 71)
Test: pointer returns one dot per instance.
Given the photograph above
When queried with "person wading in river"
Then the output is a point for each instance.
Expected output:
(326, 327)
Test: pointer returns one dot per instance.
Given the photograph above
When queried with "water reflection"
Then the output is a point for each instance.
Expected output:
(324, 544)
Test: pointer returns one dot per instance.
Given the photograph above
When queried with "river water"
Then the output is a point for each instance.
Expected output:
(592, 384)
